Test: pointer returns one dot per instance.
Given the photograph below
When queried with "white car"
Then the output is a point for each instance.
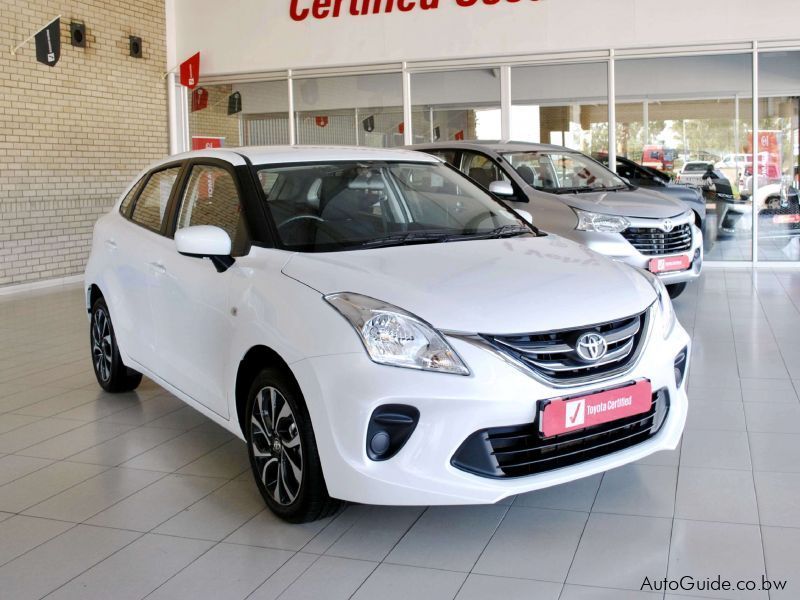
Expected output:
(379, 329)
(692, 172)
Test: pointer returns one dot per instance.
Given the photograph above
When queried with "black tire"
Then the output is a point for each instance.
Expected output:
(275, 404)
(111, 373)
(676, 289)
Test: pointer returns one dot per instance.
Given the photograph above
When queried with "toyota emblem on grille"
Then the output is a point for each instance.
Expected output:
(591, 347)
(668, 225)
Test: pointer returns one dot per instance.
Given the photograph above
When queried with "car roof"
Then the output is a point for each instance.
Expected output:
(263, 155)
(493, 145)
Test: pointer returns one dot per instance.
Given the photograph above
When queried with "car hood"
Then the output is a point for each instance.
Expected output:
(626, 203)
(512, 285)
(682, 192)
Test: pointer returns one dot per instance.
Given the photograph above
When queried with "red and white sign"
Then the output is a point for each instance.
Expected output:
(572, 414)
(199, 99)
(669, 263)
(202, 143)
(190, 71)
(321, 121)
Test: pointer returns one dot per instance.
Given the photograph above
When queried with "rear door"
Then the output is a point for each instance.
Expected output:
(135, 248)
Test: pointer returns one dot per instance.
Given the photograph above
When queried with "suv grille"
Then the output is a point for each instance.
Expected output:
(654, 242)
(519, 450)
(553, 356)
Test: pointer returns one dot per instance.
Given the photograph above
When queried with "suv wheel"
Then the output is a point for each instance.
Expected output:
(283, 451)
(112, 374)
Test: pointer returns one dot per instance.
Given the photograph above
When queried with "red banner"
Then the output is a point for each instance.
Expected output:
(199, 99)
(459, 135)
(202, 143)
(190, 71)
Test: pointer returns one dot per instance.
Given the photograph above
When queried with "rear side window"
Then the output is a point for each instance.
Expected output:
(449, 156)
(151, 206)
(126, 202)
(211, 198)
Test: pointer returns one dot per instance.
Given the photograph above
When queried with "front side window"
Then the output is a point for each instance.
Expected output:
(481, 168)
(151, 206)
(212, 198)
(563, 172)
(342, 206)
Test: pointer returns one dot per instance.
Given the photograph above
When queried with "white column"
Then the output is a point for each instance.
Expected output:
(292, 133)
(172, 108)
(408, 136)
(505, 102)
(756, 141)
(612, 114)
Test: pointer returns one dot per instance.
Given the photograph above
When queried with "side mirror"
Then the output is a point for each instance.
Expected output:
(501, 188)
(206, 241)
(526, 215)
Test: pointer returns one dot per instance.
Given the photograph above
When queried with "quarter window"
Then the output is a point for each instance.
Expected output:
(151, 206)
(211, 198)
(126, 202)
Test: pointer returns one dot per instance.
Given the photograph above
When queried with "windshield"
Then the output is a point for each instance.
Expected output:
(563, 172)
(323, 207)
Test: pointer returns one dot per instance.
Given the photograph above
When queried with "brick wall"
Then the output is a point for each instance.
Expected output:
(214, 121)
(72, 136)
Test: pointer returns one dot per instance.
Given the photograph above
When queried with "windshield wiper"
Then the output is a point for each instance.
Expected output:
(411, 237)
(504, 231)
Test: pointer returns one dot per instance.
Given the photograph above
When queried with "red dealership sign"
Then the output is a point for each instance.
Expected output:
(202, 143)
(190, 71)
(300, 10)
(321, 121)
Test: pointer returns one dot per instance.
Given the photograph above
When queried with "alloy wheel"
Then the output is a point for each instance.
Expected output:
(276, 446)
(102, 344)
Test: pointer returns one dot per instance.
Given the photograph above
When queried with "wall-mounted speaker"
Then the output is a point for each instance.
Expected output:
(135, 45)
(77, 34)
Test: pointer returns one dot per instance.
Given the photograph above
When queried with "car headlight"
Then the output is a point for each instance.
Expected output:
(664, 309)
(589, 221)
(391, 336)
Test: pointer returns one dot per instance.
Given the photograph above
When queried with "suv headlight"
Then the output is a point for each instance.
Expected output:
(589, 221)
(391, 336)
(666, 312)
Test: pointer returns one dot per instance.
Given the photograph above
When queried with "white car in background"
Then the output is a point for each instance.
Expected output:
(692, 172)
(379, 329)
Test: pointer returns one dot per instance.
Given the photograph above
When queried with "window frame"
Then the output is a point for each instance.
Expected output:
(181, 166)
(250, 220)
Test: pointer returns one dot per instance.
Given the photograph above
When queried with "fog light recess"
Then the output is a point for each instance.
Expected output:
(389, 429)
(680, 367)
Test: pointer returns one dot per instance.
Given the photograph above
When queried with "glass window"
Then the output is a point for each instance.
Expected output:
(777, 203)
(481, 168)
(329, 207)
(456, 105)
(693, 122)
(566, 105)
(126, 202)
(561, 172)
(151, 205)
(449, 156)
(211, 198)
(357, 110)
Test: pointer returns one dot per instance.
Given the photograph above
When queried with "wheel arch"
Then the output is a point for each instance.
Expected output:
(256, 358)
(93, 294)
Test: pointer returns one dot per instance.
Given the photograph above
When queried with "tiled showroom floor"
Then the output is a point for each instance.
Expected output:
(117, 497)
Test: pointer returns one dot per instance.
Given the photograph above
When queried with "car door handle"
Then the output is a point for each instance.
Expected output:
(158, 267)
(111, 244)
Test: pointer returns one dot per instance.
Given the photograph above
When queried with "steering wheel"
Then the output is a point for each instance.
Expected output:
(319, 222)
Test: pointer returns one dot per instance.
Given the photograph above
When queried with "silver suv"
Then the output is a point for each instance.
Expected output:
(576, 197)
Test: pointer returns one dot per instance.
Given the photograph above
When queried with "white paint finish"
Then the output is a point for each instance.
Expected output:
(260, 35)
(469, 286)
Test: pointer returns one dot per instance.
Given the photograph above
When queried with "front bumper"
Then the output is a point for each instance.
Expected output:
(615, 246)
(342, 391)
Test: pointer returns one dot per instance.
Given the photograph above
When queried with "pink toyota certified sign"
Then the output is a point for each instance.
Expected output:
(565, 415)
(669, 263)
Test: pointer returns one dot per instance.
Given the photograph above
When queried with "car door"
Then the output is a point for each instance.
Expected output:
(135, 245)
(191, 299)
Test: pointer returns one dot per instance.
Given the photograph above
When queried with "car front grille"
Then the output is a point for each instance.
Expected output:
(656, 242)
(517, 451)
(553, 355)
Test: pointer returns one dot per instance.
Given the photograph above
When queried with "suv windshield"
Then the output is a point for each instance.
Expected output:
(323, 207)
(562, 172)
